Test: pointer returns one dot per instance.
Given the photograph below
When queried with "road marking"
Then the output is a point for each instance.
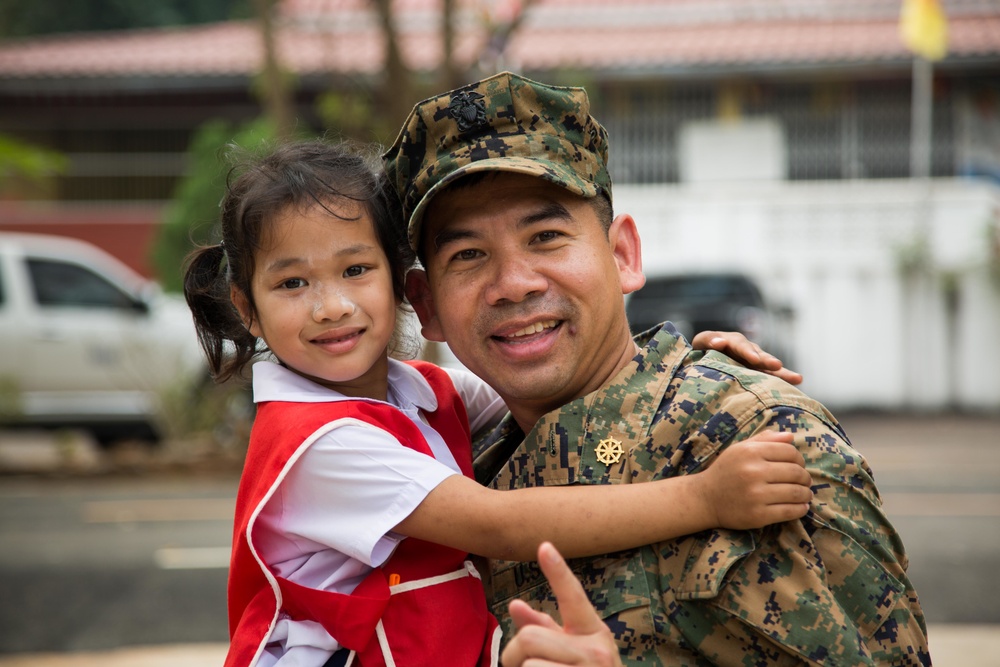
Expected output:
(941, 504)
(192, 558)
(170, 509)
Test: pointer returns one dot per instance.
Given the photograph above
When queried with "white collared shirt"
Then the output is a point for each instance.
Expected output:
(329, 522)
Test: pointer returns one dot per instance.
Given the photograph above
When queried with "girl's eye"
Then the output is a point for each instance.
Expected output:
(354, 271)
(293, 283)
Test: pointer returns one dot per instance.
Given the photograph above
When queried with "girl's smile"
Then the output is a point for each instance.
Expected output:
(340, 341)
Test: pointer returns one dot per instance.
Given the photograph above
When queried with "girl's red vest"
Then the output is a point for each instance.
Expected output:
(437, 612)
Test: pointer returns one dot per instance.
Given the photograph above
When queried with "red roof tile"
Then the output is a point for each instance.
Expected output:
(342, 36)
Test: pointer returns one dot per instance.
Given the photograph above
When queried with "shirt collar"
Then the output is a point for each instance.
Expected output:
(407, 387)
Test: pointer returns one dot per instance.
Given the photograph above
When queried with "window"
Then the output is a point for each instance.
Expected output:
(60, 284)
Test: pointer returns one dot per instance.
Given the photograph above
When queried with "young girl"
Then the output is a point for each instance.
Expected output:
(352, 451)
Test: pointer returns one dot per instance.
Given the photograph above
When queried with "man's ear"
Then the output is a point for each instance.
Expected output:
(242, 304)
(627, 248)
(418, 293)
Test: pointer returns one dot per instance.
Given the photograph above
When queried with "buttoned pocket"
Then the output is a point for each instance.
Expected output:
(617, 585)
(612, 582)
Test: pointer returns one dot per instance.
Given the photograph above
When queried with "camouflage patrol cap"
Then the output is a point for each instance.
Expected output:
(503, 123)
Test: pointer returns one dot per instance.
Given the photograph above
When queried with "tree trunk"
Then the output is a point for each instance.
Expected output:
(394, 97)
(273, 84)
(451, 77)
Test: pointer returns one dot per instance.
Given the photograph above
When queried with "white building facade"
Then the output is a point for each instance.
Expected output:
(893, 285)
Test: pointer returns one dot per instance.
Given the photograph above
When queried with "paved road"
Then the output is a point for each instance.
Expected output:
(940, 482)
(92, 564)
(99, 563)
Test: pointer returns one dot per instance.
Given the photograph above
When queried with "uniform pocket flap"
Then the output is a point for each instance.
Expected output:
(613, 583)
(712, 554)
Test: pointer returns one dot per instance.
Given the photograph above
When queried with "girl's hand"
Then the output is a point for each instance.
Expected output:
(756, 482)
(745, 351)
(583, 639)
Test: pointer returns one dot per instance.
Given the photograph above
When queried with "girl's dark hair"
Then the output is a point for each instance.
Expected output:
(296, 174)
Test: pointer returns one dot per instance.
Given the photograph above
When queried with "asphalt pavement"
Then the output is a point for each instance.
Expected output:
(937, 467)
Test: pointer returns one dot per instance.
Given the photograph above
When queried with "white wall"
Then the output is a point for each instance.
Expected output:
(742, 149)
(864, 333)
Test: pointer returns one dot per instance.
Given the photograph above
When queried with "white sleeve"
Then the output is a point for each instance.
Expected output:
(346, 492)
(485, 407)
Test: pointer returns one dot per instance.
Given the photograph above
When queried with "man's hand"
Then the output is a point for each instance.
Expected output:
(745, 351)
(756, 482)
(583, 639)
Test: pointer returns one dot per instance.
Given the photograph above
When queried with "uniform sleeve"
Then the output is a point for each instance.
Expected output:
(346, 492)
(842, 565)
(485, 407)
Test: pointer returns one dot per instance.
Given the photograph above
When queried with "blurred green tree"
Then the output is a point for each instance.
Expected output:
(364, 114)
(190, 218)
(27, 171)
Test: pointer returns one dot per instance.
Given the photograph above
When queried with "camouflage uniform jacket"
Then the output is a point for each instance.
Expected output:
(829, 589)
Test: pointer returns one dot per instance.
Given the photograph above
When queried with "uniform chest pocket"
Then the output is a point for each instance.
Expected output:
(617, 585)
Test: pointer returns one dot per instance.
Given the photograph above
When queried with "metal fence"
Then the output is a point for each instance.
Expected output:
(831, 131)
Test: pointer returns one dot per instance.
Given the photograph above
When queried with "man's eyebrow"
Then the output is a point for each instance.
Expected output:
(548, 211)
(447, 236)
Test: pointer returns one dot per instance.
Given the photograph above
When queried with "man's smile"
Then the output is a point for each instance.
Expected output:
(531, 329)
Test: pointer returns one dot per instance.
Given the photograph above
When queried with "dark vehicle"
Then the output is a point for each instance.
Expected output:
(696, 302)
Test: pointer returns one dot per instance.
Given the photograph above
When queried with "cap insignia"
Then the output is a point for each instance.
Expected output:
(468, 110)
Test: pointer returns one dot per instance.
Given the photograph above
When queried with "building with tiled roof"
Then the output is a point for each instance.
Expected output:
(661, 38)
(833, 76)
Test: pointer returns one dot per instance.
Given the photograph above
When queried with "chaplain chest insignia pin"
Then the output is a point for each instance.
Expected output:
(609, 451)
(468, 110)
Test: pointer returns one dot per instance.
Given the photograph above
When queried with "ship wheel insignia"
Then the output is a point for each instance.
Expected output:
(609, 451)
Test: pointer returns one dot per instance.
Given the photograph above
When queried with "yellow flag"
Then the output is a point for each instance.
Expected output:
(924, 29)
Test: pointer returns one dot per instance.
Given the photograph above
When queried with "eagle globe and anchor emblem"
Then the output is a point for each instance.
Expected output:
(468, 109)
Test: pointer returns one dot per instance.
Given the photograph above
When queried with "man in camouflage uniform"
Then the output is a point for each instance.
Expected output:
(525, 277)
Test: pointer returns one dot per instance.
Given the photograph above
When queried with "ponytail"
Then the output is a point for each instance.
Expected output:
(228, 346)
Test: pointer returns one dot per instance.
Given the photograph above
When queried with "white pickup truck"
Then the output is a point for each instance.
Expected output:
(85, 340)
